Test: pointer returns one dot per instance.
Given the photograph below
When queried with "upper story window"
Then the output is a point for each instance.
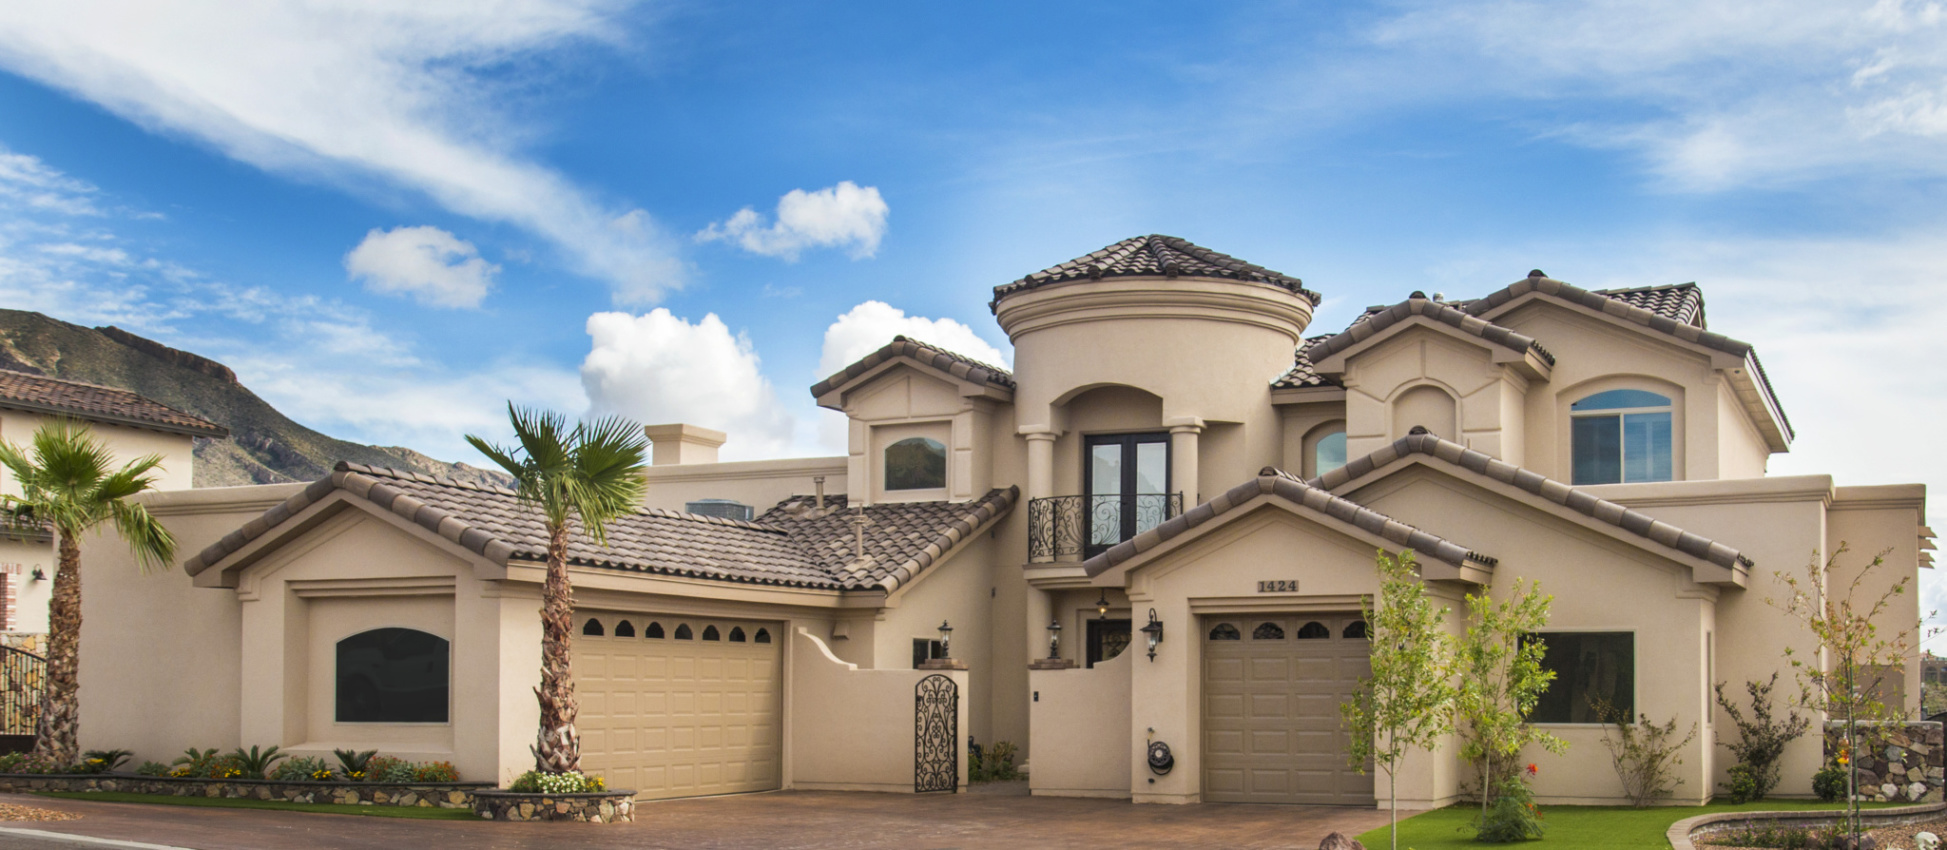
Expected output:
(916, 463)
(392, 676)
(1127, 486)
(1621, 436)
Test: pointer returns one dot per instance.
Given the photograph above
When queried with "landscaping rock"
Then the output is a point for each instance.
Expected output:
(446, 795)
(1905, 764)
(603, 807)
(1338, 841)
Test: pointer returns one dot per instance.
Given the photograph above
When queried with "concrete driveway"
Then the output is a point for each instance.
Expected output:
(785, 819)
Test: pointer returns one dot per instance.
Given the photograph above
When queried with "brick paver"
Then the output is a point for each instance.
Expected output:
(788, 819)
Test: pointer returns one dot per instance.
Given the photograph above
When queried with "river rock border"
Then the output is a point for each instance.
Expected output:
(1681, 832)
(443, 795)
(601, 807)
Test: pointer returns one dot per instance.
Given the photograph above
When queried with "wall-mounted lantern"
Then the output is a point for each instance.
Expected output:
(1153, 632)
(39, 575)
(1102, 606)
(946, 639)
(1054, 639)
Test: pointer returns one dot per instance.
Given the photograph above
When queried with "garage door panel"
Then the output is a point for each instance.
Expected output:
(1272, 731)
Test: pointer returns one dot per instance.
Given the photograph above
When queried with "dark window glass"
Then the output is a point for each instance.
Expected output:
(1126, 484)
(763, 636)
(915, 463)
(624, 629)
(1268, 631)
(1591, 668)
(924, 649)
(737, 634)
(1106, 639)
(683, 632)
(1597, 442)
(1225, 631)
(711, 633)
(655, 630)
(1646, 446)
(1355, 629)
(1625, 446)
(392, 676)
(1314, 630)
(593, 627)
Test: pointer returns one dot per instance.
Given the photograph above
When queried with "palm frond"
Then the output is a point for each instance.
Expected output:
(154, 547)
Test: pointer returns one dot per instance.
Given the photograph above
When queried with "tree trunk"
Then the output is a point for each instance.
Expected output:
(557, 748)
(58, 732)
(1392, 795)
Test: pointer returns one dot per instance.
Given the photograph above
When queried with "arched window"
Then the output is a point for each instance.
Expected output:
(683, 632)
(392, 676)
(1314, 631)
(592, 628)
(711, 633)
(737, 634)
(1324, 449)
(1268, 631)
(763, 635)
(916, 463)
(655, 630)
(1621, 436)
(624, 629)
(1225, 631)
(1355, 629)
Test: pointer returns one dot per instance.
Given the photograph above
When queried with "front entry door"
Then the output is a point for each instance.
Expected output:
(1128, 485)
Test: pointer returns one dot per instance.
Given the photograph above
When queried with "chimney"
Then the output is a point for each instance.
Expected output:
(670, 445)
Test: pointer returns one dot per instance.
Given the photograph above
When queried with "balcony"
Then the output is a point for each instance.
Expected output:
(1067, 528)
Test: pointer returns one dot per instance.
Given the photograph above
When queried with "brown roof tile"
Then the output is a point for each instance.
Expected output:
(1377, 321)
(1154, 255)
(40, 394)
(957, 365)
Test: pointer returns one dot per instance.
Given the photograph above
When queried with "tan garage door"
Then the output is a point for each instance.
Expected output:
(1271, 692)
(679, 707)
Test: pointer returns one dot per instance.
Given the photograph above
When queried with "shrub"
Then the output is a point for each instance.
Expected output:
(1644, 753)
(352, 764)
(1778, 837)
(1512, 816)
(303, 769)
(26, 763)
(389, 769)
(227, 767)
(1830, 782)
(152, 768)
(103, 761)
(537, 782)
(193, 762)
(435, 771)
(255, 763)
(1761, 740)
(994, 765)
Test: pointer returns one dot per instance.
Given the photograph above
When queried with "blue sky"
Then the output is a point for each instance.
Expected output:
(391, 220)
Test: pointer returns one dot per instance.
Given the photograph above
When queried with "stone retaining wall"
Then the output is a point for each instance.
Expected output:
(1683, 834)
(1906, 765)
(444, 795)
(604, 807)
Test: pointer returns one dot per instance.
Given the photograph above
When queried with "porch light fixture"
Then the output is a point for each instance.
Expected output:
(1154, 632)
(1054, 640)
(1102, 606)
(946, 639)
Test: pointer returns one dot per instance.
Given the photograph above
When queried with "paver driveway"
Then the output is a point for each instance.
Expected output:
(787, 819)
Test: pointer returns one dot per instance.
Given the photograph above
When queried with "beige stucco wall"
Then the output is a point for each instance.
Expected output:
(1430, 375)
(959, 591)
(853, 729)
(758, 483)
(1080, 723)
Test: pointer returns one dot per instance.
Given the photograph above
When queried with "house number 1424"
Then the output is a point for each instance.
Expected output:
(1277, 586)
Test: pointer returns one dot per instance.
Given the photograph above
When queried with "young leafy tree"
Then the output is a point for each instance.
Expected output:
(68, 480)
(1761, 740)
(1501, 681)
(1861, 654)
(1407, 702)
(590, 475)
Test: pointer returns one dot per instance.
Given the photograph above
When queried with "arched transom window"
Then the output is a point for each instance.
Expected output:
(916, 463)
(392, 676)
(1621, 436)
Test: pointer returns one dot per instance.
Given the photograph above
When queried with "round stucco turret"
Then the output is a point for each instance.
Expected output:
(1204, 332)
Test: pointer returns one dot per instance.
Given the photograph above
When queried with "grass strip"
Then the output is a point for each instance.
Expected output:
(421, 812)
(1591, 827)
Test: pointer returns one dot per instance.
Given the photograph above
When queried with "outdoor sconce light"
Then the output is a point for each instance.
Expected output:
(1154, 632)
(1054, 640)
(1102, 606)
(38, 575)
(946, 640)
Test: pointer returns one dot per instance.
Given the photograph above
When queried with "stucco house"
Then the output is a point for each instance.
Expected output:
(130, 425)
(1175, 489)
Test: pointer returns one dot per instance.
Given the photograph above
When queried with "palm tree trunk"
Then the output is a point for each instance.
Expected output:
(557, 749)
(57, 733)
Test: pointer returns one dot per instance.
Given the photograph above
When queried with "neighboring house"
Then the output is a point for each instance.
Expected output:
(130, 425)
(1170, 453)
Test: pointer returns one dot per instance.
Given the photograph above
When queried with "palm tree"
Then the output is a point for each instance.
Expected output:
(69, 483)
(591, 474)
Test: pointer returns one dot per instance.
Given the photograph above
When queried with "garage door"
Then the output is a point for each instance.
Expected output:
(1271, 693)
(679, 707)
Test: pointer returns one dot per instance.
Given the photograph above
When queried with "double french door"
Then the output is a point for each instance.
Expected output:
(1128, 486)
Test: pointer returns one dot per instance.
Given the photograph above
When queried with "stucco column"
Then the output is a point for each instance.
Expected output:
(1041, 463)
(1183, 457)
(1041, 484)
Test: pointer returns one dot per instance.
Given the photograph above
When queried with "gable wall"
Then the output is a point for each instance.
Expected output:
(1422, 376)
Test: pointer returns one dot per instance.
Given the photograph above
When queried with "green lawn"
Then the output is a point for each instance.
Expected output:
(428, 813)
(1616, 827)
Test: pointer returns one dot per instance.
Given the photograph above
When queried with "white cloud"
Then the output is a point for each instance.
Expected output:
(431, 265)
(658, 368)
(832, 217)
(400, 91)
(869, 326)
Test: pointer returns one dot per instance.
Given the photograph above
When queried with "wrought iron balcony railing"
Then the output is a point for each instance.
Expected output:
(1067, 527)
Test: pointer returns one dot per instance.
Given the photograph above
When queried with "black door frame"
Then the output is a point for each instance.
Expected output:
(1128, 442)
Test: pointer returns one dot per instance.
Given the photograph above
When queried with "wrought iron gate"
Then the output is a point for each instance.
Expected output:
(936, 735)
(22, 675)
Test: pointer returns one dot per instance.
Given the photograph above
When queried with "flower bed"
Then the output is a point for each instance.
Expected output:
(445, 795)
(597, 807)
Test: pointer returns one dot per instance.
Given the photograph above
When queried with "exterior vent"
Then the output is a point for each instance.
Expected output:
(722, 509)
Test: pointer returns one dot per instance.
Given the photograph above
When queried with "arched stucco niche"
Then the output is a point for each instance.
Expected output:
(1428, 406)
(1100, 409)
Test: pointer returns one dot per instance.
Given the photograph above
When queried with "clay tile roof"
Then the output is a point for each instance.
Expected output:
(779, 550)
(1581, 501)
(39, 394)
(1682, 303)
(957, 365)
(1281, 484)
(1154, 255)
(1375, 321)
(1303, 373)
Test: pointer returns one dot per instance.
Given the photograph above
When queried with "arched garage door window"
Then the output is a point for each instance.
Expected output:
(393, 676)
